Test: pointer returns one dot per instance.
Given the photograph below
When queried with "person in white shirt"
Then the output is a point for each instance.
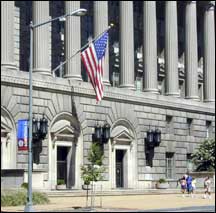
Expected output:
(207, 187)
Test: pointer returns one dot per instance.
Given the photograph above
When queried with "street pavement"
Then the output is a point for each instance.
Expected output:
(129, 203)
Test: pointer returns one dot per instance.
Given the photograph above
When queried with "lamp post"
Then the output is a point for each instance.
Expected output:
(78, 12)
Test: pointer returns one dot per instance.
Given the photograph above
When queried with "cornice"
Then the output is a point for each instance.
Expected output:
(84, 89)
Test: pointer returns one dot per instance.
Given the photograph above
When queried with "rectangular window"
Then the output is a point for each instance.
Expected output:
(208, 129)
(182, 89)
(189, 162)
(139, 83)
(200, 89)
(170, 165)
(161, 87)
(190, 126)
(169, 124)
(116, 79)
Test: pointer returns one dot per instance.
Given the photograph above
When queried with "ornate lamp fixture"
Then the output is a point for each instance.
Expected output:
(102, 133)
(153, 138)
(157, 137)
(39, 128)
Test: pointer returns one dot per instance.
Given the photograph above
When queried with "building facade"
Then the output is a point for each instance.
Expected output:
(159, 73)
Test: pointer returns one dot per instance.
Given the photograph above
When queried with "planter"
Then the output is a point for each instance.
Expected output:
(86, 187)
(162, 185)
(60, 187)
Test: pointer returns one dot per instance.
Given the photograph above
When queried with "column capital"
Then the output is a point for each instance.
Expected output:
(190, 2)
(210, 5)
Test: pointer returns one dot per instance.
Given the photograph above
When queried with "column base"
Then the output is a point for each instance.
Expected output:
(209, 100)
(155, 91)
(73, 77)
(127, 86)
(9, 65)
(195, 98)
(42, 71)
(177, 95)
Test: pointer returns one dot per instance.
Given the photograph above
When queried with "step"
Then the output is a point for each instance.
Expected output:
(82, 193)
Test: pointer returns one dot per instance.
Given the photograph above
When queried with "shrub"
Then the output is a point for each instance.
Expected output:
(204, 156)
(20, 198)
(39, 198)
(60, 182)
(24, 185)
(162, 180)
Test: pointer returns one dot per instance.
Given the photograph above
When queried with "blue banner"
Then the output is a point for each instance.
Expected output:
(22, 134)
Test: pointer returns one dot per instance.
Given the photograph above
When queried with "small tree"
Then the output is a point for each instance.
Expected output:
(204, 157)
(94, 170)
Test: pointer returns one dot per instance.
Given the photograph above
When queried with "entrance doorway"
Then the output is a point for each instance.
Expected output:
(120, 168)
(62, 154)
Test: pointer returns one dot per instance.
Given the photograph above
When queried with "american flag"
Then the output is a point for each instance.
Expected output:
(93, 59)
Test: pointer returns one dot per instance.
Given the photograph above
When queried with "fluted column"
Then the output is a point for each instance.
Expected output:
(72, 42)
(127, 44)
(100, 25)
(150, 46)
(7, 34)
(41, 37)
(209, 53)
(191, 51)
(171, 49)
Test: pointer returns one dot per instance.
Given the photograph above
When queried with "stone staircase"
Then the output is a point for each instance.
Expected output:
(114, 192)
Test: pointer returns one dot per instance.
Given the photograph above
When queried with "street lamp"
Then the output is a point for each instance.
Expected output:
(152, 140)
(78, 12)
(101, 133)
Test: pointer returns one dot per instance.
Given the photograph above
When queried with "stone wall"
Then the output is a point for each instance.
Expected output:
(142, 110)
(12, 178)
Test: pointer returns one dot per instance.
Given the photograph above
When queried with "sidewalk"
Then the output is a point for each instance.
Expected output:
(121, 203)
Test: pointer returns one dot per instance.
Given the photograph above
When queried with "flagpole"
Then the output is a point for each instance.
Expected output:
(110, 26)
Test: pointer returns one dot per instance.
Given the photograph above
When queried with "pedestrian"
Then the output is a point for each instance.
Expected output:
(207, 187)
(183, 185)
(189, 184)
(193, 187)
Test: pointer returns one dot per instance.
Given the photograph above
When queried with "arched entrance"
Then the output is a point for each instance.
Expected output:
(123, 170)
(65, 152)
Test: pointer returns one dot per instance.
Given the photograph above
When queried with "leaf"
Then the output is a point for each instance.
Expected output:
(204, 156)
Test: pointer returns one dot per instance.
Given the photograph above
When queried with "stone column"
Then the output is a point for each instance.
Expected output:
(209, 53)
(171, 49)
(100, 25)
(41, 35)
(150, 46)
(126, 44)
(7, 34)
(191, 51)
(72, 42)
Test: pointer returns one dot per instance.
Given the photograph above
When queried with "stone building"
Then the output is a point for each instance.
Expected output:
(159, 73)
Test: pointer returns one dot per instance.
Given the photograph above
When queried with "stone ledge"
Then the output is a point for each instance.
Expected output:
(84, 89)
